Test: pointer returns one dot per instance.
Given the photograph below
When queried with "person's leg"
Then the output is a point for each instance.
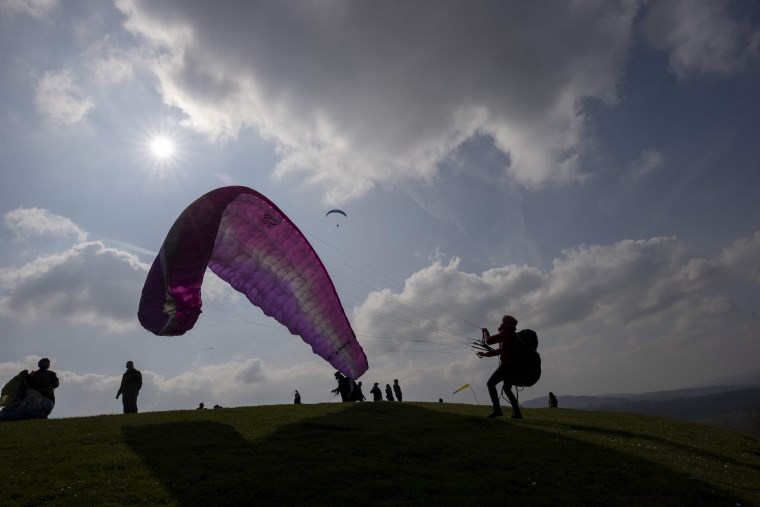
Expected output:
(133, 403)
(491, 385)
(516, 413)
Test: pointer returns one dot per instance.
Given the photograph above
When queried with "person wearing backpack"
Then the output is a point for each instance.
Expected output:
(508, 369)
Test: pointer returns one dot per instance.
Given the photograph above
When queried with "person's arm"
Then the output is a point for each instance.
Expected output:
(491, 339)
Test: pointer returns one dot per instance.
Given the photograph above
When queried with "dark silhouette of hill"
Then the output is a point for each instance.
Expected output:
(730, 406)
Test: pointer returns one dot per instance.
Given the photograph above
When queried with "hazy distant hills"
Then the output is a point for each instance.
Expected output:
(732, 402)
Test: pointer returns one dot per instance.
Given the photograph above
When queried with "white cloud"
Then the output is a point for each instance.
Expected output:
(357, 93)
(110, 69)
(701, 36)
(599, 311)
(60, 99)
(88, 284)
(25, 222)
(36, 8)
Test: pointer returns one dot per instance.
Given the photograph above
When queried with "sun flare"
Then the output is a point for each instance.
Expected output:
(162, 148)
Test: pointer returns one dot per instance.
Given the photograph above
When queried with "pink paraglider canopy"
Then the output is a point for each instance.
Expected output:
(248, 242)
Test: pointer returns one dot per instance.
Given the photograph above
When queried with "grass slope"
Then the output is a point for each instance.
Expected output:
(375, 454)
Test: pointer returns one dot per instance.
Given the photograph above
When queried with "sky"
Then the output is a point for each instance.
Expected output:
(591, 168)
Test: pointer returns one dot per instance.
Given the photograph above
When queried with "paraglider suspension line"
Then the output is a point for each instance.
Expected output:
(517, 394)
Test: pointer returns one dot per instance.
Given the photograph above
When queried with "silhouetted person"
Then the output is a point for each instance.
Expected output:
(506, 372)
(552, 400)
(388, 392)
(44, 381)
(377, 394)
(22, 401)
(201, 406)
(344, 387)
(296, 398)
(131, 383)
(358, 391)
(397, 389)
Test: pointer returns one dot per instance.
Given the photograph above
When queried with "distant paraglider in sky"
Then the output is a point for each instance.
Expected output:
(337, 211)
(248, 242)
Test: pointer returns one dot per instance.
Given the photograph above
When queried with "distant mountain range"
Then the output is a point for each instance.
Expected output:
(730, 402)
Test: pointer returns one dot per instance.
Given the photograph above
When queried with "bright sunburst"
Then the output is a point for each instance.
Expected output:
(162, 148)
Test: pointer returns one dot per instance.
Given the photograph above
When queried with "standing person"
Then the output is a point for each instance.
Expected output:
(344, 387)
(552, 400)
(359, 394)
(297, 398)
(397, 389)
(131, 383)
(506, 372)
(388, 392)
(377, 394)
(44, 381)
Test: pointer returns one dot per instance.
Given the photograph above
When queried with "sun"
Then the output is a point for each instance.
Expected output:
(162, 148)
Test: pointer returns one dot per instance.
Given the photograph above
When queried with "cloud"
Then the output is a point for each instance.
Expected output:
(701, 37)
(60, 99)
(649, 160)
(359, 93)
(87, 284)
(110, 66)
(599, 311)
(36, 8)
(25, 222)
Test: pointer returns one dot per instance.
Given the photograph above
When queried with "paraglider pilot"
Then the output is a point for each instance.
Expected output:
(30, 395)
(45, 381)
(344, 387)
(506, 370)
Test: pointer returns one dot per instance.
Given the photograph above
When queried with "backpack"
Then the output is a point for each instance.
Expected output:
(527, 341)
(524, 351)
(13, 391)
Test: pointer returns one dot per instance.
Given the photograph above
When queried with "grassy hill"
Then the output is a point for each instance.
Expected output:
(375, 454)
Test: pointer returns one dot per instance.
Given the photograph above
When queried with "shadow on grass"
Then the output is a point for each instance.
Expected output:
(663, 442)
(399, 454)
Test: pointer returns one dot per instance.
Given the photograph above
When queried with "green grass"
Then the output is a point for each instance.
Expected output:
(375, 454)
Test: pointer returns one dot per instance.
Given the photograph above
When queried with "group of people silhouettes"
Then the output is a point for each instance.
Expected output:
(350, 390)
(31, 395)
(377, 394)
